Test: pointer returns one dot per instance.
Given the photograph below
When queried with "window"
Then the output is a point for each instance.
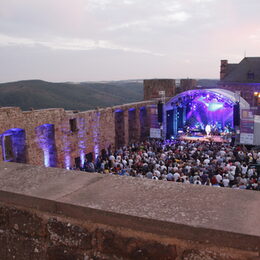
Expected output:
(8, 151)
(250, 75)
(73, 125)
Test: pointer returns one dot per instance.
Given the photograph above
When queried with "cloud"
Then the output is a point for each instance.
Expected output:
(255, 37)
(12, 41)
(92, 5)
(172, 6)
(127, 25)
(105, 31)
(175, 17)
(74, 44)
(128, 2)
(160, 20)
(202, 1)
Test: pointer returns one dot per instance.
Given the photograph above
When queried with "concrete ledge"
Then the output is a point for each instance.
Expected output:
(216, 217)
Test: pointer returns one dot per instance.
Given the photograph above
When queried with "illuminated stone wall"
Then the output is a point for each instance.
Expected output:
(55, 137)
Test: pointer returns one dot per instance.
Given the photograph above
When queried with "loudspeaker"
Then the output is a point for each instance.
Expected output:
(236, 114)
(233, 139)
(169, 123)
(160, 111)
(77, 162)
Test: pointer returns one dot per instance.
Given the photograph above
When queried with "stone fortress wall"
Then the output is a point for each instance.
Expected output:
(153, 86)
(58, 214)
(51, 213)
(55, 137)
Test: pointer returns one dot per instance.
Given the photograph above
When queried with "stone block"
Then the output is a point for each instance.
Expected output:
(24, 248)
(68, 235)
(25, 223)
(110, 243)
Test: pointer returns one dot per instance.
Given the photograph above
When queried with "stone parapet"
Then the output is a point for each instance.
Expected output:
(50, 213)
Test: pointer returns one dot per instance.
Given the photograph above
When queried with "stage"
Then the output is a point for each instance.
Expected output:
(200, 111)
(204, 138)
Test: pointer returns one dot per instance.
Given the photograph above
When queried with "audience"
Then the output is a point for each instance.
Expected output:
(188, 162)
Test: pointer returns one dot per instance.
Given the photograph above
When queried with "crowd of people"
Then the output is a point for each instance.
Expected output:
(188, 162)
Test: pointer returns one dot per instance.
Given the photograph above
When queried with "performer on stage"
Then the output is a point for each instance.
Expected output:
(208, 129)
(188, 130)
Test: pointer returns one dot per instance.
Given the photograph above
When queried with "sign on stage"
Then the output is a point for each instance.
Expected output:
(155, 133)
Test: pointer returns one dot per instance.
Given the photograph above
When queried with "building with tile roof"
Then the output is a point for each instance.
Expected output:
(243, 78)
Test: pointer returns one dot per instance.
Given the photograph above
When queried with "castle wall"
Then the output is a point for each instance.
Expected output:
(75, 133)
(187, 84)
(50, 213)
(153, 86)
(246, 90)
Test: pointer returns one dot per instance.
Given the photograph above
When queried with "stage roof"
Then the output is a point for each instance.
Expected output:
(232, 96)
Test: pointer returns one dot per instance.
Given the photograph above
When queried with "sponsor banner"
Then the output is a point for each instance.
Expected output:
(247, 121)
(246, 138)
(247, 126)
(155, 133)
(247, 114)
(257, 119)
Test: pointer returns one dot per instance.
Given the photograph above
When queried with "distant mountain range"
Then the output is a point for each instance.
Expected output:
(39, 94)
(82, 96)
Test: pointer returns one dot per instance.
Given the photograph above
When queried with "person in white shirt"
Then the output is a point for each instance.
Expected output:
(176, 176)
(218, 178)
(225, 181)
(244, 168)
(208, 129)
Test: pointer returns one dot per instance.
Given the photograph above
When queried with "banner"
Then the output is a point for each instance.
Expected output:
(155, 133)
(247, 126)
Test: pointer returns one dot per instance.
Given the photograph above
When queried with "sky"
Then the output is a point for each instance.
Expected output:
(99, 40)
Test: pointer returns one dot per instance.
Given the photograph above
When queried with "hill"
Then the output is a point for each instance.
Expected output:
(82, 96)
(207, 82)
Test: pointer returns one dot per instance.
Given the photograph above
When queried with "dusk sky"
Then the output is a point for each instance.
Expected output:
(94, 40)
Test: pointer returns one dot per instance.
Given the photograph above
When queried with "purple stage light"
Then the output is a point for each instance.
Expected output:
(201, 107)
(119, 110)
(210, 108)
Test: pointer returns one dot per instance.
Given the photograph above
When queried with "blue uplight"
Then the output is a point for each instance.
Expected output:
(46, 141)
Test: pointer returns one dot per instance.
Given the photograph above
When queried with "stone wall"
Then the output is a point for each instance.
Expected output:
(27, 234)
(246, 91)
(153, 86)
(223, 68)
(55, 137)
(50, 213)
(187, 84)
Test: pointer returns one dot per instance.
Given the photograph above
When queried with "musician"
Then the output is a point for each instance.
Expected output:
(208, 129)
(188, 130)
